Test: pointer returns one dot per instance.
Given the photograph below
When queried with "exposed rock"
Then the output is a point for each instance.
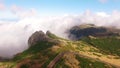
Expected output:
(77, 32)
(48, 33)
(40, 36)
(37, 37)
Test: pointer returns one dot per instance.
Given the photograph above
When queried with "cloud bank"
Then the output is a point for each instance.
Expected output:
(14, 34)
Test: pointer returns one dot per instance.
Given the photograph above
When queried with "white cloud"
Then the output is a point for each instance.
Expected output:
(87, 12)
(29, 13)
(15, 9)
(10, 43)
(14, 35)
(103, 14)
(22, 13)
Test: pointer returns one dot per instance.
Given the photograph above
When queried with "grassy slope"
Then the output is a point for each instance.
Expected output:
(110, 45)
(89, 63)
(41, 54)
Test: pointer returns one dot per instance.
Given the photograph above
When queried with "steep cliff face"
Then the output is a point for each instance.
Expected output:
(91, 30)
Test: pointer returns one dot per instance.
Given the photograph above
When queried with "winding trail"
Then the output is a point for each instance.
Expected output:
(56, 59)
(60, 55)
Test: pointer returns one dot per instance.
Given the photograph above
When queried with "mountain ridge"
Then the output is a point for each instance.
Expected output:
(47, 50)
(83, 30)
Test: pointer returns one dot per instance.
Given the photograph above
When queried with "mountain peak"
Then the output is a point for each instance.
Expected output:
(37, 37)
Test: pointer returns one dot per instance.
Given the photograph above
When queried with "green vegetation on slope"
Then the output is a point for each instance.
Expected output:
(41, 47)
(89, 63)
(108, 45)
(42, 53)
(61, 64)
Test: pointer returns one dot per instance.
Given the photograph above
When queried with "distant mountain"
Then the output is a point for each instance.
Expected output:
(47, 50)
(84, 30)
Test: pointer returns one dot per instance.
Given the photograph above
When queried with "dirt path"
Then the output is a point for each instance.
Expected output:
(55, 60)
(60, 55)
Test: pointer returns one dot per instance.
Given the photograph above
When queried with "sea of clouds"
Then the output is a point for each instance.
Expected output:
(14, 34)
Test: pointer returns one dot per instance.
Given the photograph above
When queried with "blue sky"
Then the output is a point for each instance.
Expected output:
(61, 7)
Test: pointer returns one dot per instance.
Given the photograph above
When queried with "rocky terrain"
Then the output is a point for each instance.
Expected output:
(84, 30)
(47, 50)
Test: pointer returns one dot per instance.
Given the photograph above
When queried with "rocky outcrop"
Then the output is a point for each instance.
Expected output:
(37, 37)
(48, 33)
(40, 36)
(77, 32)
